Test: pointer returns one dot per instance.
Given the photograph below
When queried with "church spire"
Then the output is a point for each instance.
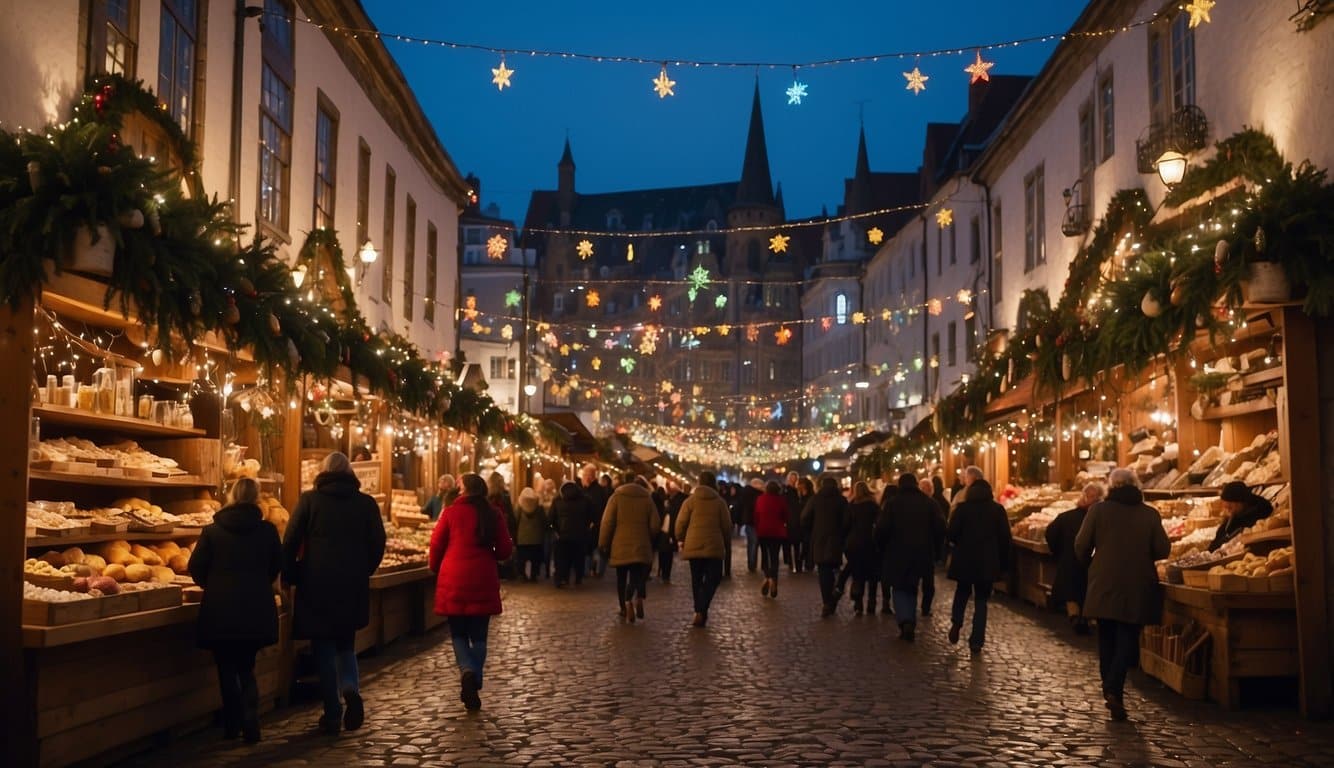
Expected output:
(859, 191)
(756, 187)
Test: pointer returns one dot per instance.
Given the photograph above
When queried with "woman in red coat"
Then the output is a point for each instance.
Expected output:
(470, 537)
(771, 527)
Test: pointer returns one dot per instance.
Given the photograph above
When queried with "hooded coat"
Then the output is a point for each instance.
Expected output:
(236, 561)
(629, 525)
(980, 532)
(532, 520)
(467, 583)
(1072, 575)
(1121, 539)
(826, 517)
(704, 525)
(771, 516)
(334, 542)
(572, 514)
(906, 531)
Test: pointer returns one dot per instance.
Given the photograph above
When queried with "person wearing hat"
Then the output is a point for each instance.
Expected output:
(1241, 510)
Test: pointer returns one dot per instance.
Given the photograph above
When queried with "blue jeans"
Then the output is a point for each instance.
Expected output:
(905, 604)
(752, 547)
(469, 636)
(336, 660)
(981, 593)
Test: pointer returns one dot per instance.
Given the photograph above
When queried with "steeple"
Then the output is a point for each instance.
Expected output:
(859, 190)
(567, 158)
(778, 197)
(756, 187)
(565, 185)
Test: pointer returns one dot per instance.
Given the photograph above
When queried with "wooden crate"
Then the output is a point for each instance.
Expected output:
(41, 613)
(1174, 676)
(117, 605)
(200, 456)
(161, 597)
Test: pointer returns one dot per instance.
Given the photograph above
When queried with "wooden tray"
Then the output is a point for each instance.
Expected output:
(39, 530)
(46, 614)
(161, 597)
(1229, 582)
(118, 604)
(1283, 583)
(1194, 577)
(64, 583)
(1257, 583)
(117, 526)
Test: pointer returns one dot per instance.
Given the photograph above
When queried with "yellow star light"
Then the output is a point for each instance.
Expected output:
(875, 235)
(778, 243)
(723, 330)
(859, 318)
(663, 85)
(666, 386)
(565, 350)
(978, 69)
(945, 217)
(593, 299)
(783, 335)
(1199, 12)
(916, 81)
(501, 75)
(496, 247)
(596, 363)
(655, 303)
(585, 249)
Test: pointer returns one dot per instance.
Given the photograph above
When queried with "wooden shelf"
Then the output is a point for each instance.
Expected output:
(186, 481)
(401, 577)
(65, 634)
(1266, 376)
(1259, 405)
(98, 538)
(1194, 490)
(121, 425)
(80, 298)
(1283, 535)
(1197, 597)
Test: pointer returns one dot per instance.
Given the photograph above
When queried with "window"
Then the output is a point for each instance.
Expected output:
(1107, 115)
(176, 59)
(952, 345)
(1035, 248)
(363, 193)
(935, 360)
(409, 257)
(613, 219)
(998, 258)
(504, 368)
(1088, 154)
(387, 246)
(725, 369)
(275, 115)
(773, 370)
(747, 373)
(326, 159)
(1183, 62)
(432, 274)
(113, 42)
(974, 240)
(701, 247)
(558, 303)
(970, 338)
(1171, 68)
(841, 308)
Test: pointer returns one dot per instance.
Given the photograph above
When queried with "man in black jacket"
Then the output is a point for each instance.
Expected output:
(597, 500)
(907, 531)
(572, 519)
(826, 517)
(746, 499)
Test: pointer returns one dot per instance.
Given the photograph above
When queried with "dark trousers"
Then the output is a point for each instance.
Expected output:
(569, 556)
(727, 559)
(631, 582)
(529, 557)
(336, 660)
(704, 577)
(769, 557)
(752, 547)
(981, 593)
(928, 591)
(828, 573)
(665, 559)
(1118, 651)
(240, 692)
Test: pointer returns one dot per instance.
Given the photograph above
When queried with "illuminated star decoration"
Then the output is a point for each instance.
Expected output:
(752, 333)
(593, 299)
(585, 249)
(507, 332)
(513, 298)
(596, 363)
(778, 243)
(628, 364)
(783, 335)
(796, 92)
(916, 80)
(501, 75)
(470, 308)
(663, 85)
(945, 217)
(1199, 12)
(978, 69)
(496, 247)
(697, 279)
(875, 235)
(655, 303)
(720, 301)
(666, 386)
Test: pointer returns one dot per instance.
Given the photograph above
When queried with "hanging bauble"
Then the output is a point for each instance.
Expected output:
(1150, 305)
(131, 219)
(1259, 239)
(1037, 340)
(275, 327)
(231, 315)
(1201, 321)
(157, 356)
(1178, 295)
(34, 175)
(247, 287)
(1220, 255)
(1067, 367)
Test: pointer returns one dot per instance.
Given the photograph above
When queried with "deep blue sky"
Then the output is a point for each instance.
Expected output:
(624, 137)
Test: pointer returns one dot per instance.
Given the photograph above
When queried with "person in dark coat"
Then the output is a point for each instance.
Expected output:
(771, 528)
(797, 527)
(825, 516)
(906, 532)
(1241, 510)
(1072, 575)
(887, 494)
(499, 497)
(596, 494)
(335, 541)
(1121, 538)
(929, 489)
(980, 533)
(572, 519)
(667, 536)
(790, 546)
(863, 557)
(236, 561)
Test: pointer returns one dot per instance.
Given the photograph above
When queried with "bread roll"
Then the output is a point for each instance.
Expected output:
(148, 556)
(163, 574)
(72, 556)
(115, 571)
(137, 573)
(180, 563)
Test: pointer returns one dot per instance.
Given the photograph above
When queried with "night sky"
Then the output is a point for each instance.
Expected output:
(624, 137)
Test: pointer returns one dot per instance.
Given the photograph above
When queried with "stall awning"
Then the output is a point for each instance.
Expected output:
(581, 441)
(874, 437)
(644, 453)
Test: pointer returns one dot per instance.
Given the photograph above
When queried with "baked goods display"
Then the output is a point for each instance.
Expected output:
(274, 512)
(121, 459)
(405, 547)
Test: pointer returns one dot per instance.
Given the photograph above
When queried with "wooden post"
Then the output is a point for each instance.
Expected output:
(291, 447)
(1309, 529)
(15, 401)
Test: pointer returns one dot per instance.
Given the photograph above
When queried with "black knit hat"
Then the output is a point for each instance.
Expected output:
(1235, 491)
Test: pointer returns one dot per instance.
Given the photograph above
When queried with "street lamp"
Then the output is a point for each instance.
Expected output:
(1171, 167)
(299, 275)
(530, 389)
(368, 254)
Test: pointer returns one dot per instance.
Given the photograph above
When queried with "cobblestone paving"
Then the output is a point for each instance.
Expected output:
(768, 683)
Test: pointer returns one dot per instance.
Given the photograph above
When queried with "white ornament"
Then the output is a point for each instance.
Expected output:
(1150, 306)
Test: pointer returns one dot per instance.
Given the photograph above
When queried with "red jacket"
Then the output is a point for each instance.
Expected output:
(771, 516)
(466, 580)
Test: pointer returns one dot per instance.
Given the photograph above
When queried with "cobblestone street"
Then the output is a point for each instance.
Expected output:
(767, 683)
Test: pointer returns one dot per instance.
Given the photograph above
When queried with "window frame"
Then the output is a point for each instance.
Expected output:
(1035, 244)
(326, 183)
(409, 256)
(952, 344)
(432, 272)
(279, 61)
(1107, 115)
(841, 308)
(171, 13)
(998, 255)
(99, 22)
(387, 241)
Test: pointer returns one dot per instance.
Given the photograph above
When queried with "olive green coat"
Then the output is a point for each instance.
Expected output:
(629, 524)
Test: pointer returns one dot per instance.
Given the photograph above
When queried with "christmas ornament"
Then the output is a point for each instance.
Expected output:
(1199, 12)
(783, 335)
(596, 363)
(723, 330)
(593, 299)
(778, 243)
(720, 301)
(131, 219)
(470, 308)
(628, 365)
(655, 303)
(34, 175)
(1150, 306)
(944, 217)
(275, 327)
(496, 247)
(1178, 295)
(697, 278)
(663, 85)
(935, 307)
(796, 92)
(584, 249)
(507, 332)
(501, 75)
(826, 323)
(158, 357)
(916, 80)
(1067, 367)
(875, 235)
(752, 333)
(978, 69)
(859, 318)
(231, 315)
(1220, 256)
(513, 298)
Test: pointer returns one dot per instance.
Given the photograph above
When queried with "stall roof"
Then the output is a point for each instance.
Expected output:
(874, 437)
(581, 441)
(1016, 397)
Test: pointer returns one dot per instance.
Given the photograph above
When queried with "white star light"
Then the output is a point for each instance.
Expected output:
(501, 75)
(796, 93)
(663, 85)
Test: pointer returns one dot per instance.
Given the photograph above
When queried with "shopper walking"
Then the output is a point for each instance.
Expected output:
(942, 510)
(667, 544)
(704, 530)
(805, 492)
(771, 529)
(629, 526)
(572, 519)
(970, 475)
(236, 561)
(1072, 574)
(530, 535)
(791, 555)
(597, 495)
(825, 516)
(980, 533)
(469, 539)
(746, 498)
(887, 494)
(1121, 538)
(334, 542)
(863, 555)
(499, 497)
(907, 530)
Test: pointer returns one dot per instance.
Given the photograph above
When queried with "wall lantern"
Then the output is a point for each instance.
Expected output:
(1171, 167)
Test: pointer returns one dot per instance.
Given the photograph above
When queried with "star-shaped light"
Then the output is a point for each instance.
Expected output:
(875, 235)
(663, 85)
(470, 308)
(501, 75)
(796, 92)
(513, 298)
(978, 69)
(666, 386)
(596, 363)
(697, 279)
(778, 243)
(593, 299)
(720, 300)
(507, 332)
(496, 247)
(945, 217)
(916, 81)
(584, 249)
(964, 296)
(655, 303)
(1199, 12)
(935, 307)
(723, 330)
(783, 335)
(752, 333)
(826, 323)
(628, 364)
(565, 350)
(859, 318)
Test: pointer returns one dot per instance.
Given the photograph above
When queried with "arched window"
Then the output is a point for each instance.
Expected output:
(613, 219)
(841, 308)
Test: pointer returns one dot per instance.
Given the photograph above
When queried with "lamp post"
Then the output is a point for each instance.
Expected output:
(1171, 168)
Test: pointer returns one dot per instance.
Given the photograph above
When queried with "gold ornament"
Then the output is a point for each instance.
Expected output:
(662, 85)
(584, 249)
(978, 69)
(593, 299)
(501, 75)
(916, 80)
(496, 247)
(1199, 12)
(944, 217)
(778, 243)
(1178, 294)
(875, 235)
(655, 303)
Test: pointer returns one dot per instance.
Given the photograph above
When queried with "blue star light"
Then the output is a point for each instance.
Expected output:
(796, 93)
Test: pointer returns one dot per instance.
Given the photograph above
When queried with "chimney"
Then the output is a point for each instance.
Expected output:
(976, 93)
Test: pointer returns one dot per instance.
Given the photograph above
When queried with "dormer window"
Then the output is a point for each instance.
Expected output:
(613, 219)
(712, 225)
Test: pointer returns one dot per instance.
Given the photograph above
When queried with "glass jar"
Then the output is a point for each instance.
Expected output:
(145, 406)
(87, 397)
